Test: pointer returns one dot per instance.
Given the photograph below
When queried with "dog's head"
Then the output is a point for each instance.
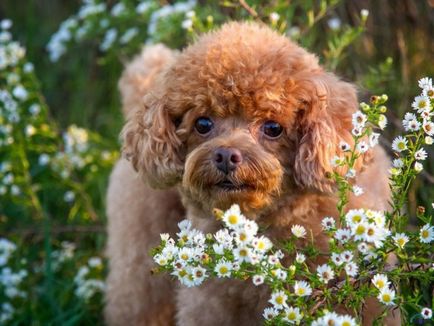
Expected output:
(242, 116)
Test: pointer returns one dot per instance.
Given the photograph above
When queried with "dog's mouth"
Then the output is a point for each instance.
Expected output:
(229, 186)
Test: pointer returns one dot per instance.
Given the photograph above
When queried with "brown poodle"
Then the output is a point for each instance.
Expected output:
(243, 116)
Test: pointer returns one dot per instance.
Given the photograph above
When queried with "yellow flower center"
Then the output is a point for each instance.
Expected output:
(223, 270)
(401, 146)
(243, 236)
(401, 242)
(279, 299)
(422, 104)
(380, 284)
(182, 273)
(233, 219)
(243, 252)
(261, 245)
(371, 232)
(360, 230)
(346, 323)
(300, 291)
(425, 234)
(184, 256)
(357, 218)
(386, 297)
(292, 316)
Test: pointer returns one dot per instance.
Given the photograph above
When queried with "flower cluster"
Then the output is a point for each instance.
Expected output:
(360, 242)
(88, 279)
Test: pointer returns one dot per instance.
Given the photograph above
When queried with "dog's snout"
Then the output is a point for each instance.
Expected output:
(227, 159)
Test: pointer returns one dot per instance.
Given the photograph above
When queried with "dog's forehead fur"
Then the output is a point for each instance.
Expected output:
(242, 69)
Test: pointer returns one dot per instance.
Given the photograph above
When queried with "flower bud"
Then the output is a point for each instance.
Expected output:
(384, 98)
(420, 210)
(383, 109)
(374, 99)
(428, 140)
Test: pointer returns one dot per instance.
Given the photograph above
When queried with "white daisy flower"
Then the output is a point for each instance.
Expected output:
(411, 125)
(382, 121)
(278, 299)
(421, 103)
(425, 82)
(337, 259)
(219, 249)
(344, 146)
(351, 269)
(223, 268)
(347, 256)
(357, 191)
(298, 230)
(328, 223)
(223, 237)
(258, 279)
(399, 144)
(160, 260)
(199, 275)
(398, 163)
(429, 92)
(262, 244)
(300, 258)
(426, 313)
(372, 233)
(362, 147)
(373, 139)
(420, 155)
(351, 173)
(270, 313)
(280, 274)
(302, 288)
(330, 318)
(233, 217)
(418, 167)
(359, 119)
(336, 161)
(363, 247)
(386, 296)
(359, 231)
(428, 127)
(357, 131)
(400, 239)
(292, 315)
(274, 17)
(325, 273)
(426, 234)
(242, 254)
(184, 225)
(273, 260)
(343, 235)
(380, 281)
(186, 254)
(242, 235)
(346, 320)
(355, 216)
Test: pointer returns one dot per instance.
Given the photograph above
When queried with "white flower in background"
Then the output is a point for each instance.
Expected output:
(262, 244)
(292, 315)
(337, 259)
(351, 173)
(34, 109)
(346, 320)
(129, 35)
(20, 93)
(418, 167)
(428, 127)
(420, 155)
(373, 139)
(400, 239)
(334, 23)
(293, 32)
(242, 254)
(95, 262)
(354, 216)
(364, 13)
(337, 161)
(302, 289)
(421, 103)
(344, 146)
(359, 119)
(359, 231)
(299, 231)
(428, 92)
(426, 234)
(69, 196)
(270, 313)
(386, 296)
(143, 7)
(328, 223)
(258, 279)
(30, 130)
(363, 247)
(325, 273)
(425, 82)
(398, 163)
(429, 140)
(118, 9)
(362, 147)
(278, 299)
(15, 190)
(274, 17)
(358, 191)
(187, 24)
(380, 281)
(410, 123)
(199, 275)
(109, 38)
(223, 268)
(399, 144)
(343, 235)
(382, 121)
(347, 256)
(351, 269)
(300, 258)
(6, 24)
(426, 313)
(6, 250)
(28, 67)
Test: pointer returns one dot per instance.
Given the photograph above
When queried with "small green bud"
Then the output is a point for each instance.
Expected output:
(384, 98)
(383, 109)
(374, 99)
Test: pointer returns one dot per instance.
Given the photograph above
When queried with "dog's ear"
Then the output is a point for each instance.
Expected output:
(151, 143)
(323, 121)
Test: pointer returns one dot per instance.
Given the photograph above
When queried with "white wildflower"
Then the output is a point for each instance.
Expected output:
(421, 103)
(426, 234)
(426, 313)
(359, 119)
(400, 239)
(399, 144)
(380, 281)
(270, 313)
(325, 273)
(351, 269)
(425, 82)
(418, 167)
(300, 258)
(344, 146)
(258, 279)
(298, 230)
(382, 121)
(420, 155)
(278, 299)
(386, 296)
(302, 289)
(328, 223)
(358, 191)
(292, 315)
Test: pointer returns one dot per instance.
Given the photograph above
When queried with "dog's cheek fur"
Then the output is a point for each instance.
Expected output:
(152, 145)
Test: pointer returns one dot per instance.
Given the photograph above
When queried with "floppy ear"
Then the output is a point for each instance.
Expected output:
(151, 143)
(323, 123)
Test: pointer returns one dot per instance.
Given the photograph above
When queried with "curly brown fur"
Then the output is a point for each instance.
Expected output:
(240, 77)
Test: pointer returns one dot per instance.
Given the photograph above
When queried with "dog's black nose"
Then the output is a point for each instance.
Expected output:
(227, 159)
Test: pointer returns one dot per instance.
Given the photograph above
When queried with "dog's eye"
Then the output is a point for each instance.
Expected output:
(272, 129)
(203, 125)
